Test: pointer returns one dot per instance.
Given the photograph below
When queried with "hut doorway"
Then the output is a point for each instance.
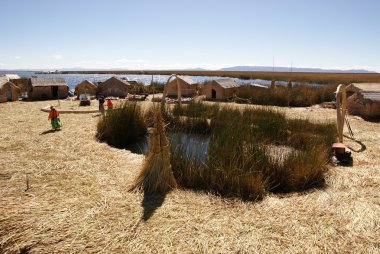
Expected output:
(9, 94)
(213, 94)
(54, 91)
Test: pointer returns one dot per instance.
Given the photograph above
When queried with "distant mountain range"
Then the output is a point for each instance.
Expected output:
(294, 69)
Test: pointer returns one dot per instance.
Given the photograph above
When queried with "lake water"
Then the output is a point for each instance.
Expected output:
(194, 146)
(73, 79)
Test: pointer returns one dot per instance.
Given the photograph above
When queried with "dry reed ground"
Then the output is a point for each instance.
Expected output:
(78, 199)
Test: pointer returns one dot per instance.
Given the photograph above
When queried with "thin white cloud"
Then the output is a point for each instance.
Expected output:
(2, 64)
(17, 57)
(57, 57)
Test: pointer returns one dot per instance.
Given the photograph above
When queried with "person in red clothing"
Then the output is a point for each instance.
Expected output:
(109, 104)
(56, 123)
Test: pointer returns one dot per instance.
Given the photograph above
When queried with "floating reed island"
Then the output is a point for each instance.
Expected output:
(232, 152)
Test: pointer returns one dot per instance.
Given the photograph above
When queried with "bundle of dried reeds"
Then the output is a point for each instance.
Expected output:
(156, 175)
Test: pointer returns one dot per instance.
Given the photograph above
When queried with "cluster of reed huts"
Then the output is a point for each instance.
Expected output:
(220, 89)
(362, 98)
(112, 87)
(12, 87)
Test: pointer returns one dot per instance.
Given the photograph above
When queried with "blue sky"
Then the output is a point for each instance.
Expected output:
(189, 34)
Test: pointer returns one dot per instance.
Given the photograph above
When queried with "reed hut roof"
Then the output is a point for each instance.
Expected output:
(12, 76)
(227, 83)
(3, 81)
(372, 96)
(87, 82)
(187, 80)
(367, 87)
(47, 82)
(117, 79)
(369, 91)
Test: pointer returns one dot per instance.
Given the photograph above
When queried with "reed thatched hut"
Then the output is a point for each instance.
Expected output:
(86, 87)
(187, 85)
(363, 99)
(22, 83)
(136, 87)
(221, 89)
(47, 88)
(8, 90)
(114, 87)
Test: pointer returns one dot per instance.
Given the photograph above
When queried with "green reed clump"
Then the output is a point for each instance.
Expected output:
(242, 160)
(298, 96)
(195, 125)
(122, 125)
(154, 87)
(302, 133)
(300, 170)
(214, 175)
(196, 109)
(194, 117)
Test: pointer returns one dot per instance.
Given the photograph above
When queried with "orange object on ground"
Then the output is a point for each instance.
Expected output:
(53, 114)
(109, 103)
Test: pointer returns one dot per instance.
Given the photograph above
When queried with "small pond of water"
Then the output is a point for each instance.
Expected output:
(195, 146)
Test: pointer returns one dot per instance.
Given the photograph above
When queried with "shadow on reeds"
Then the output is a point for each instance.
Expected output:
(151, 203)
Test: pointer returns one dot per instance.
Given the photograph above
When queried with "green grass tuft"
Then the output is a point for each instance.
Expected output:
(122, 125)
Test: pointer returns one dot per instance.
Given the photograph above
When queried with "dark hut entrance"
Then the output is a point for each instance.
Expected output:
(54, 91)
(9, 94)
(213, 94)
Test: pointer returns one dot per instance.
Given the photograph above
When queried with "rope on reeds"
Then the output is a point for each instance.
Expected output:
(156, 175)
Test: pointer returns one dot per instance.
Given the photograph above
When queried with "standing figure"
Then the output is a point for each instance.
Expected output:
(109, 104)
(56, 123)
(101, 103)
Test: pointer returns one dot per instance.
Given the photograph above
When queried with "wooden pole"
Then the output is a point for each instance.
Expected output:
(165, 90)
(27, 181)
(344, 104)
(340, 110)
(179, 92)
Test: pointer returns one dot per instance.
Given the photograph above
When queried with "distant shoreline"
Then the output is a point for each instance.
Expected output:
(318, 77)
(309, 77)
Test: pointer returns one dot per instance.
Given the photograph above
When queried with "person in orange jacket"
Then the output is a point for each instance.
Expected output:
(109, 104)
(56, 123)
